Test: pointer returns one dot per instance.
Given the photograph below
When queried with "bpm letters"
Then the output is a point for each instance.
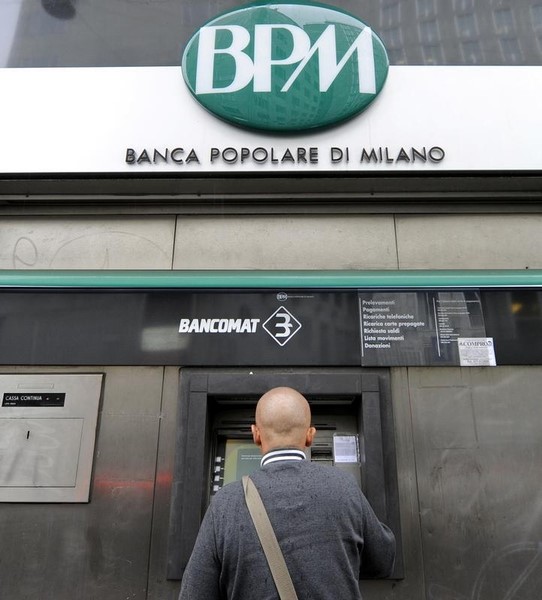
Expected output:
(258, 69)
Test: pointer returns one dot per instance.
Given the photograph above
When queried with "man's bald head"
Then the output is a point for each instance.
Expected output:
(283, 420)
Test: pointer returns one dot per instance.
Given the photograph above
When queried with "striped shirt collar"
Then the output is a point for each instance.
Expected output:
(282, 454)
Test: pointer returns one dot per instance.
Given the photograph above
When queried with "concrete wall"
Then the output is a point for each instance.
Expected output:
(360, 242)
(273, 242)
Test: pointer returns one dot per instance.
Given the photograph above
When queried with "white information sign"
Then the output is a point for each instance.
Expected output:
(345, 448)
(476, 352)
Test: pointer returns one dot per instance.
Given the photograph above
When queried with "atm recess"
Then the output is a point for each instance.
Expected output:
(338, 438)
(351, 409)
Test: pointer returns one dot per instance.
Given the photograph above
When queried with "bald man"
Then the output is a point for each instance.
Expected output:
(328, 533)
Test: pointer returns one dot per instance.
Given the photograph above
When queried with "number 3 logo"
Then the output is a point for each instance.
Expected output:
(285, 325)
(282, 326)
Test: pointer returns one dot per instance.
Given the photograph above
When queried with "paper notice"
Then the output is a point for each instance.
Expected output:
(345, 448)
(476, 352)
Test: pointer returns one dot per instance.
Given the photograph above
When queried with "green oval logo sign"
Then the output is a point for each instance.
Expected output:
(285, 66)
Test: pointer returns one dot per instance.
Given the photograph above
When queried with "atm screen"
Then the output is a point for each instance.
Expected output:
(242, 457)
(235, 457)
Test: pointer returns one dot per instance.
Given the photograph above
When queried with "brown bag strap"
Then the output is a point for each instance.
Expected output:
(270, 546)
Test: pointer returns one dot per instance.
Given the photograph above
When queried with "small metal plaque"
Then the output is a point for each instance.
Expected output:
(33, 400)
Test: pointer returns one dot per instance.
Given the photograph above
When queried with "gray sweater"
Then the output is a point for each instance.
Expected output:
(326, 529)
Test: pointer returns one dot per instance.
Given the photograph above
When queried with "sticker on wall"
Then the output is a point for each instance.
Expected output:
(476, 352)
(285, 66)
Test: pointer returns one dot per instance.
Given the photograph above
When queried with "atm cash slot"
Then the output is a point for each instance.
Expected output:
(322, 455)
(321, 450)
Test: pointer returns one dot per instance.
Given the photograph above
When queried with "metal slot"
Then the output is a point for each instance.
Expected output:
(322, 454)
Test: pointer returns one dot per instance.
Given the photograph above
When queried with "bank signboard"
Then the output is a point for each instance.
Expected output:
(272, 89)
(264, 328)
(285, 66)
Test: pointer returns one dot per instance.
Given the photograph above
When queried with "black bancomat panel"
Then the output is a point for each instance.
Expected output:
(351, 410)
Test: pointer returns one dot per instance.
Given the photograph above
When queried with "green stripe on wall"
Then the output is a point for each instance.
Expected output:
(270, 279)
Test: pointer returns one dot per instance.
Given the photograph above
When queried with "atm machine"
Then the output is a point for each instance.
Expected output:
(352, 413)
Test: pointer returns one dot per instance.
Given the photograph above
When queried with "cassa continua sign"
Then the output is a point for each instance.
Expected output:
(285, 66)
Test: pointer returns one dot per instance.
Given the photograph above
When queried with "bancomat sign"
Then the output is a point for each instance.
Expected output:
(285, 66)
(281, 325)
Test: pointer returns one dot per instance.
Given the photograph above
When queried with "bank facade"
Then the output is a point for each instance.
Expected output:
(163, 265)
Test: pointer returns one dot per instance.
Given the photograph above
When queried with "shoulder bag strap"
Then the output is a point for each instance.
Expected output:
(270, 546)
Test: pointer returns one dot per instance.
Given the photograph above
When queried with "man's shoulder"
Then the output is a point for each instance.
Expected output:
(229, 495)
(230, 490)
(319, 475)
(332, 475)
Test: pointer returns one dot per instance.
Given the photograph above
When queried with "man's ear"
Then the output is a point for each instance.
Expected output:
(256, 435)
(311, 432)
